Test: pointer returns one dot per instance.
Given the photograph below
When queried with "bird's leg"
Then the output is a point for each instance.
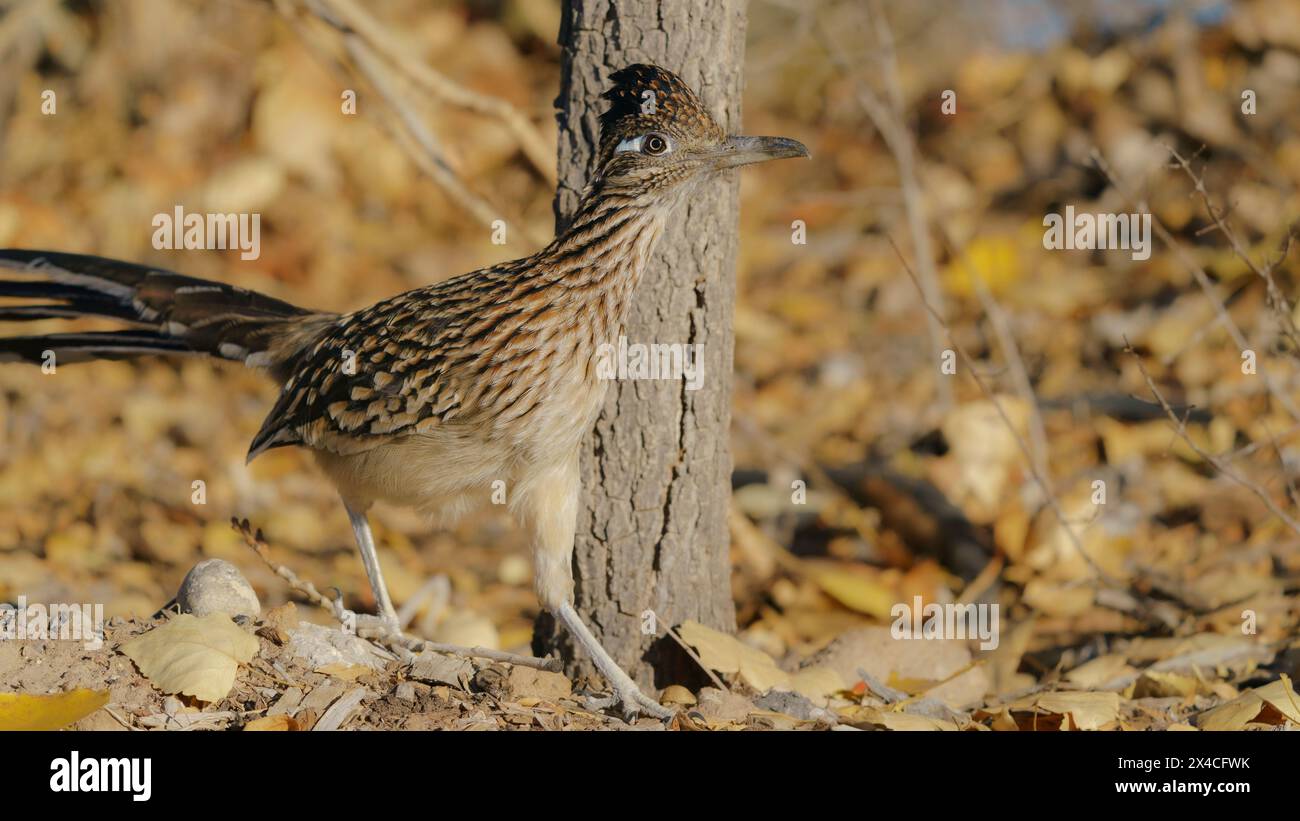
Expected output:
(546, 499)
(625, 690)
(366, 544)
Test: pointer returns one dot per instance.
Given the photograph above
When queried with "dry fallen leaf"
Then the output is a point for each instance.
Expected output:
(1111, 671)
(19, 711)
(194, 656)
(280, 723)
(1155, 684)
(857, 592)
(1084, 711)
(817, 683)
(345, 672)
(891, 720)
(726, 654)
(1271, 705)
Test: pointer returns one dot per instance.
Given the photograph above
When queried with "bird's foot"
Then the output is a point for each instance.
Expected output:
(632, 703)
(378, 625)
(626, 693)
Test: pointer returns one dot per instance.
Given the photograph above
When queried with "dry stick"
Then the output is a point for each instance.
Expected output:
(888, 120)
(1292, 494)
(1180, 427)
(1039, 480)
(530, 140)
(1246, 450)
(695, 656)
(1202, 279)
(1010, 351)
(430, 156)
(383, 635)
(1277, 300)
(419, 143)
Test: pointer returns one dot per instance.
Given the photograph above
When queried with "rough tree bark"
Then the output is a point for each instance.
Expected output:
(656, 470)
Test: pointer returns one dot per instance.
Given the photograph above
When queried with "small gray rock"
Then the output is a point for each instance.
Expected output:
(217, 586)
(790, 704)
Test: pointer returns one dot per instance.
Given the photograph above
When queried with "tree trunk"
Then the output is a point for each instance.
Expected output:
(656, 470)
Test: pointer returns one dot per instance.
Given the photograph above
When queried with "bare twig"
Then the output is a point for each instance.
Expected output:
(696, 658)
(1276, 299)
(375, 66)
(1219, 465)
(432, 156)
(1039, 479)
(531, 142)
(889, 118)
(382, 634)
(1011, 352)
(1202, 279)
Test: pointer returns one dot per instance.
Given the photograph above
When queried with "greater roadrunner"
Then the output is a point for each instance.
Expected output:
(427, 398)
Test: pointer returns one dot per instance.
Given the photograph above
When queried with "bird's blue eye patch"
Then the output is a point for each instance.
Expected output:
(653, 144)
(629, 144)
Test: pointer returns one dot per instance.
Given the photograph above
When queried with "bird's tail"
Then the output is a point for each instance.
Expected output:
(168, 313)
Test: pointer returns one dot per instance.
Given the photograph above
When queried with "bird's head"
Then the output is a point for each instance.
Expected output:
(657, 136)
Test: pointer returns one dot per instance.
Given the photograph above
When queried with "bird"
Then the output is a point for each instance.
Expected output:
(426, 398)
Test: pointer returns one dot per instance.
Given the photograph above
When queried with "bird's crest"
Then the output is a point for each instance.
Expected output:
(646, 98)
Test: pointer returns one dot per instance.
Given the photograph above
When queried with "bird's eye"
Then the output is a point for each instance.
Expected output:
(654, 145)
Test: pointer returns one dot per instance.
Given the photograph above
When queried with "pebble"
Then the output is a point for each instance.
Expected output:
(217, 586)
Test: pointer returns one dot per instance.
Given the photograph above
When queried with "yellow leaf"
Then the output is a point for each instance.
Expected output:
(1085, 711)
(727, 654)
(816, 683)
(994, 260)
(1157, 684)
(1272, 704)
(1094, 674)
(901, 721)
(194, 656)
(857, 592)
(19, 711)
(345, 672)
(1088, 711)
(279, 724)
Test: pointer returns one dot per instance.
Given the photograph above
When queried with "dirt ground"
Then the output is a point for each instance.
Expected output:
(276, 683)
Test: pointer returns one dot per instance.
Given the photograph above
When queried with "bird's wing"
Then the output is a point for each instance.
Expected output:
(426, 358)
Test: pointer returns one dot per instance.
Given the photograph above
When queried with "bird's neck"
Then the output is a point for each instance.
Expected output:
(599, 259)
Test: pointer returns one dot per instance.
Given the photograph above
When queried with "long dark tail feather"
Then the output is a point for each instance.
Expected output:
(84, 347)
(172, 313)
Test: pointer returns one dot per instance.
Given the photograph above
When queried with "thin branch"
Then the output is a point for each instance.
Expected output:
(1038, 478)
(1223, 468)
(889, 118)
(1202, 279)
(410, 131)
(696, 658)
(432, 157)
(382, 634)
(1011, 352)
(1277, 300)
(531, 141)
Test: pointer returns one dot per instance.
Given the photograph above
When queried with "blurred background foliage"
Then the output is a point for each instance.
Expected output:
(918, 484)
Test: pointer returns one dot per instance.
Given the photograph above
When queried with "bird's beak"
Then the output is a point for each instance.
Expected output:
(738, 151)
